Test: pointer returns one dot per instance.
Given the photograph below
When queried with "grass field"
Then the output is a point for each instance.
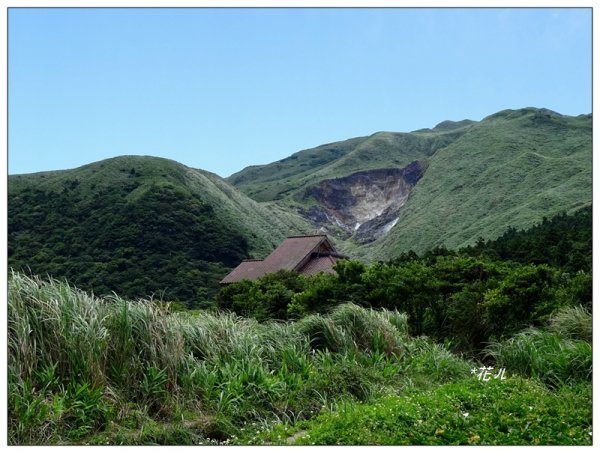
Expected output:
(89, 371)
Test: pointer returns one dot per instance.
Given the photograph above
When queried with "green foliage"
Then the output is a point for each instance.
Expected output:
(524, 297)
(42, 417)
(468, 412)
(153, 387)
(564, 241)
(321, 292)
(577, 290)
(449, 296)
(166, 242)
(163, 229)
(175, 377)
(265, 298)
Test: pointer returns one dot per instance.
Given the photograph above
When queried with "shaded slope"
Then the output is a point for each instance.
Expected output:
(137, 226)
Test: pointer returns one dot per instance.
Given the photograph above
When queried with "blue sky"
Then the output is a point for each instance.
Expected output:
(221, 89)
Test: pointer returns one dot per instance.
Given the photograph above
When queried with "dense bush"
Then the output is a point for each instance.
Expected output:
(467, 301)
(565, 241)
(266, 298)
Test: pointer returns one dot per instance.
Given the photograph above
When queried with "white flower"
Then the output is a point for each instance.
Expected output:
(465, 414)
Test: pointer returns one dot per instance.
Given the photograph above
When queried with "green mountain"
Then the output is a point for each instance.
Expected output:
(447, 186)
(510, 170)
(285, 178)
(139, 225)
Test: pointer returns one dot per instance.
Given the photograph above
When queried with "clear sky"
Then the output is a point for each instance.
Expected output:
(221, 89)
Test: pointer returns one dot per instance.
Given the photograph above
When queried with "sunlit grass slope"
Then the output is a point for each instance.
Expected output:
(288, 177)
(509, 170)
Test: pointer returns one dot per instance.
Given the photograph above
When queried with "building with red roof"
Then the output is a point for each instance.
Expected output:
(306, 255)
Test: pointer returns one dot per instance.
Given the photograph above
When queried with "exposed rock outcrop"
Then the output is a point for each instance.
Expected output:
(365, 204)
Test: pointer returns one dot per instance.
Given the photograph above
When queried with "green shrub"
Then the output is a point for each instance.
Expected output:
(263, 299)
(524, 297)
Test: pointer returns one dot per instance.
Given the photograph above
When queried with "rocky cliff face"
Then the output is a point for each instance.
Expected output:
(365, 204)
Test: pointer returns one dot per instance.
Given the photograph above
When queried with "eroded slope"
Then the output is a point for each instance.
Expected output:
(364, 205)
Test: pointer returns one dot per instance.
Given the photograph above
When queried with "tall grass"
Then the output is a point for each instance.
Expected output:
(573, 322)
(62, 341)
(81, 366)
(544, 355)
(349, 326)
(52, 325)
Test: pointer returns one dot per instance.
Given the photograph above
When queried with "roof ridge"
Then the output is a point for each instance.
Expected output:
(334, 254)
(308, 236)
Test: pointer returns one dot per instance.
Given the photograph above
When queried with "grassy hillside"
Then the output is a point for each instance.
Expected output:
(510, 170)
(138, 226)
(286, 178)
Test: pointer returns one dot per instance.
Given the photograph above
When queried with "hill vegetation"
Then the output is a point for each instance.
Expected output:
(288, 177)
(564, 241)
(510, 170)
(138, 226)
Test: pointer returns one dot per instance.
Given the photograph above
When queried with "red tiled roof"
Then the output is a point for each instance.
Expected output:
(292, 255)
